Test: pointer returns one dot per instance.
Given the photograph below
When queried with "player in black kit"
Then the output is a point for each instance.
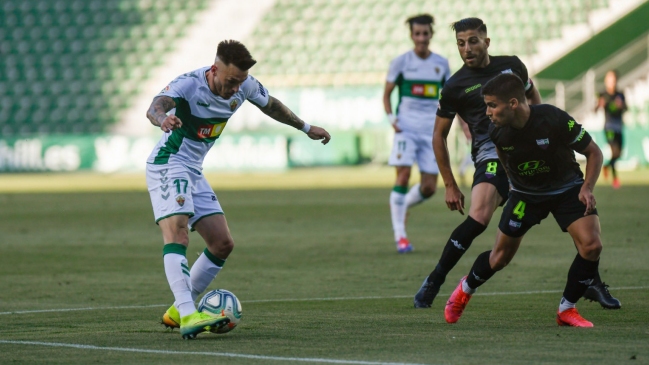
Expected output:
(536, 144)
(461, 96)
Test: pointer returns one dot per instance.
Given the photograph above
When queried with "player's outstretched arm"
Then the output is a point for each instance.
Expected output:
(157, 114)
(454, 197)
(281, 113)
(594, 161)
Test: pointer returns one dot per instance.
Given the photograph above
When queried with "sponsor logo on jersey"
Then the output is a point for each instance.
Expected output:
(165, 89)
(210, 130)
(531, 168)
(180, 200)
(474, 87)
(514, 225)
(427, 90)
(581, 135)
(543, 143)
(213, 198)
(510, 148)
(507, 71)
(233, 104)
(202, 104)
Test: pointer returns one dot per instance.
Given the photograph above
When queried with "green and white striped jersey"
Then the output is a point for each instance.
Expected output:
(420, 82)
(204, 116)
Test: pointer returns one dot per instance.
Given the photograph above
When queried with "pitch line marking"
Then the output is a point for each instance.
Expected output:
(531, 292)
(205, 353)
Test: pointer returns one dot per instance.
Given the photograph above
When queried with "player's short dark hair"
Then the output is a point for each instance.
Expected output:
(234, 52)
(424, 19)
(469, 24)
(505, 87)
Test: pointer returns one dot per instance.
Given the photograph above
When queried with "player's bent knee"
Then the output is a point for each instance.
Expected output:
(223, 246)
(592, 250)
(427, 191)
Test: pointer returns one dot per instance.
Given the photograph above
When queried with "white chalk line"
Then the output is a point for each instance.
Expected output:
(530, 292)
(204, 353)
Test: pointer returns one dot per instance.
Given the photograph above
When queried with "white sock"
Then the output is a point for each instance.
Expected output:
(466, 288)
(202, 273)
(414, 197)
(398, 211)
(565, 304)
(177, 273)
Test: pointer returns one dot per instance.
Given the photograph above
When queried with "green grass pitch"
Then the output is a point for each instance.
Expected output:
(319, 279)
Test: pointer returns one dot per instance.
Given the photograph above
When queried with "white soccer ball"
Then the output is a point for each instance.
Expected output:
(222, 302)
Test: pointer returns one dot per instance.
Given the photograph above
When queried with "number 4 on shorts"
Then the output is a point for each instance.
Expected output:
(519, 209)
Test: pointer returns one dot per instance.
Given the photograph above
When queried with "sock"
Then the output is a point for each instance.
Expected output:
(612, 165)
(597, 279)
(581, 274)
(398, 211)
(177, 273)
(414, 197)
(204, 271)
(460, 241)
(481, 271)
(565, 304)
(466, 288)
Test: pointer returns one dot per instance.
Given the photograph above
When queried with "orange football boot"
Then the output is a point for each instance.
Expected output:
(570, 317)
(456, 303)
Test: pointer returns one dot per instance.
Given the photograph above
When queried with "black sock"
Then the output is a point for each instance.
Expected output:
(582, 273)
(460, 241)
(612, 164)
(481, 271)
(597, 279)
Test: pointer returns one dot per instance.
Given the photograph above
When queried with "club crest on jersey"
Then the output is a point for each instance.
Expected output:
(514, 225)
(436, 70)
(180, 200)
(507, 71)
(233, 104)
(543, 143)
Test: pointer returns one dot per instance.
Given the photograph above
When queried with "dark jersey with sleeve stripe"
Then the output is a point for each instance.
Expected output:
(540, 156)
(462, 95)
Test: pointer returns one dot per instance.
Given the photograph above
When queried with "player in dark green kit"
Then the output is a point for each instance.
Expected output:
(536, 144)
(461, 96)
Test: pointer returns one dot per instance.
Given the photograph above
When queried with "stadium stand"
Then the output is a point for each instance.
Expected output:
(66, 65)
(351, 37)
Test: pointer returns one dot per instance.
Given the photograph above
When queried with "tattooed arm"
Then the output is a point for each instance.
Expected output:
(157, 114)
(281, 113)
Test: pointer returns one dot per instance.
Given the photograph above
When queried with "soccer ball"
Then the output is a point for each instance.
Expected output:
(222, 302)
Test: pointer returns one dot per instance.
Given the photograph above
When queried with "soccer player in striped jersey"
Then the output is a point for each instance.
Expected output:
(182, 199)
(419, 75)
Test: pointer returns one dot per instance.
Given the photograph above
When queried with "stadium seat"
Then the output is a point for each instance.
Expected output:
(70, 52)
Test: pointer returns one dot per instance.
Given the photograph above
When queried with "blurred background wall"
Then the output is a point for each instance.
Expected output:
(76, 76)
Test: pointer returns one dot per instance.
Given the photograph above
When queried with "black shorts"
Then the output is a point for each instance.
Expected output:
(524, 211)
(493, 172)
(613, 137)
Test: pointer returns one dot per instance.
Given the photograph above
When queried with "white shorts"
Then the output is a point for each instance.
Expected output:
(176, 189)
(409, 148)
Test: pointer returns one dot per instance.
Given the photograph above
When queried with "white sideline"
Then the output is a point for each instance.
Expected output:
(222, 354)
(531, 292)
